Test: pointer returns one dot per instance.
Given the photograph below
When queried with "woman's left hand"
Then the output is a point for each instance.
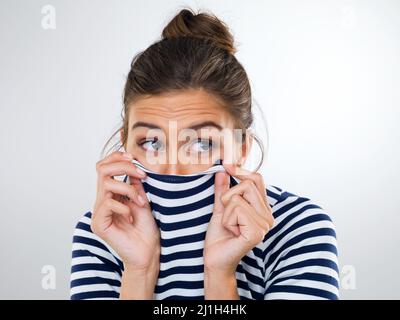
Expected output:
(241, 219)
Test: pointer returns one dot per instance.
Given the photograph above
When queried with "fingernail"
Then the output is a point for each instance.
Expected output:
(127, 156)
(140, 171)
(140, 199)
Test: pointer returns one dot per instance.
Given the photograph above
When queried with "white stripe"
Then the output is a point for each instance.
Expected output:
(279, 220)
(296, 232)
(86, 220)
(181, 277)
(307, 241)
(94, 250)
(104, 298)
(259, 261)
(95, 273)
(184, 232)
(244, 293)
(180, 292)
(306, 256)
(291, 296)
(181, 263)
(183, 216)
(173, 203)
(82, 260)
(300, 244)
(91, 235)
(181, 186)
(253, 271)
(94, 287)
(312, 269)
(255, 287)
(310, 284)
(272, 201)
(183, 247)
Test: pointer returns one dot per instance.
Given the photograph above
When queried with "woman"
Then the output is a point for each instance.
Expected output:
(259, 242)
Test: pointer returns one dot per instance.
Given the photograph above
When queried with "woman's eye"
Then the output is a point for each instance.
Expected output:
(201, 145)
(152, 145)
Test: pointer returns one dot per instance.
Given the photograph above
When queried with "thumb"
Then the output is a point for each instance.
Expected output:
(222, 183)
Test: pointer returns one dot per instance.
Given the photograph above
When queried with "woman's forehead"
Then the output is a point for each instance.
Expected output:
(185, 108)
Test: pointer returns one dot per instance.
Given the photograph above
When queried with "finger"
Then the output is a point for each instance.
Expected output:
(120, 168)
(228, 221)
(238, 203)
(250, 193)
(244, 174)
(250, 232)
(140, 189)
(123, 189)
(221, 185)
(116, 156)
(238, 220)
(103, 217)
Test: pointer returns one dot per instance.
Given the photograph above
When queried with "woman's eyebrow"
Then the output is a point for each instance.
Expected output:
(205, 124)
(144, 124)
(193, 127)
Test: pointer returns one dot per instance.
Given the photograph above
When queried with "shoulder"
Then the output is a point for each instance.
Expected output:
(295, 212)
(300, 251)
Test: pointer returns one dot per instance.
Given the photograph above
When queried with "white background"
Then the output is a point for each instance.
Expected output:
(326, 74)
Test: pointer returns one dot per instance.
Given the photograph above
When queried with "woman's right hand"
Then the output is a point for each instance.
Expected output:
(127, 225)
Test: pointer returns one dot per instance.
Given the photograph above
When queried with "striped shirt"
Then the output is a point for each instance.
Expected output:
(297, 258)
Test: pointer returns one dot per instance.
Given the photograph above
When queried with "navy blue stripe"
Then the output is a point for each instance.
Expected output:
(95, 294)
(181, 255)
(176, 297)
(184, 239)
(92, 266)
(83, 226)
(306, 263)
(303, 290)
(185, 208)
(166, 194)
(252, 278)
(245, 286)
(320, 247)
(288, 207)
(324, 278)
(291, 217)
(181, 270)
(298, 224)
(174, 178)
(185, 223)
(95, 280)
(305, 235)
(190, 284)
(277, 188)
(251, 262)
(88, 214)
(87, 253)
(89, 241)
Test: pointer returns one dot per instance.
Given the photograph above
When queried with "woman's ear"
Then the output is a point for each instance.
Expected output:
(121, 136)
(246, 147)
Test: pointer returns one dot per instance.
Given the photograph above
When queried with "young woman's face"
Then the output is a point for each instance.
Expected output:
(182, 132)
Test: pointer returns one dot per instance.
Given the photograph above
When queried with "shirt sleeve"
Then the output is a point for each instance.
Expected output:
(95, 271)
(304, 262)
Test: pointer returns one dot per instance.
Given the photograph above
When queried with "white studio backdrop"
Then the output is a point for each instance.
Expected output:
(325, 73)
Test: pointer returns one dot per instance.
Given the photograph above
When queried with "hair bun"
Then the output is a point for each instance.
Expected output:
(200, 25)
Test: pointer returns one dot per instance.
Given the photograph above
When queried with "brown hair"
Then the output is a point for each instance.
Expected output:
(196, 51)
